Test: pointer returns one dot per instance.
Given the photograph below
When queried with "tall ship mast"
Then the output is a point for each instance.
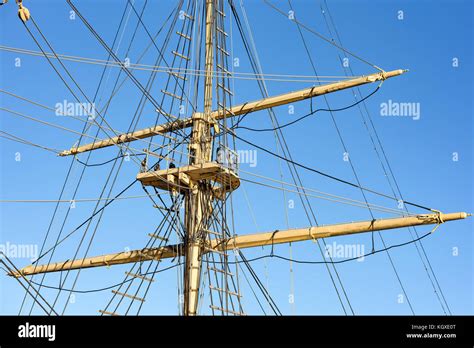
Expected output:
(188, 162)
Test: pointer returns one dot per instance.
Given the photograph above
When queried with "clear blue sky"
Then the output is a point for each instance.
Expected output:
(430, 36)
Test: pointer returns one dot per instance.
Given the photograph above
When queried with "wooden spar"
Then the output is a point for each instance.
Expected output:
(237, 110)
(129, 137)
(303, 94)
(105, 260)
(301, 234)
(249, 241)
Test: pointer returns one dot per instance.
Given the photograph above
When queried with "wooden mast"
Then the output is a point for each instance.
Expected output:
(198, 199)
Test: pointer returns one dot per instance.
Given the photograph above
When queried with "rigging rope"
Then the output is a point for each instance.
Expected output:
(104, 288)
(388, 165)
(351, 165)
(394, 246)
(190, 72)
(103, 120)
(309, 114)
(322, 36)
(327, 175)
(17, 139)
(279, 135)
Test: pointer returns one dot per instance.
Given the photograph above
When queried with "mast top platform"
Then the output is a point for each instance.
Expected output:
(184, 178)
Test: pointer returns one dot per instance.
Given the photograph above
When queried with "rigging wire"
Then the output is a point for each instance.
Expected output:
(90, 222)
(84, 222)
(351, 164)
(188, 71)
(312, 112)
(13, 269)
(17, 139)
(175, 201)
(131, 149)
(104, 288)
(294, 173)
(123, 67)
(386, 248)
(389, 167)
(108, 161)
(260, 285)
(69, 75)
(305, 188)
(94, 138)
(250, 173)
(356, 203)
(77, 118)
(231, 229)
(325, 174)
(71, 200)
(103, 120)
(360, 205)
(332, 42)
